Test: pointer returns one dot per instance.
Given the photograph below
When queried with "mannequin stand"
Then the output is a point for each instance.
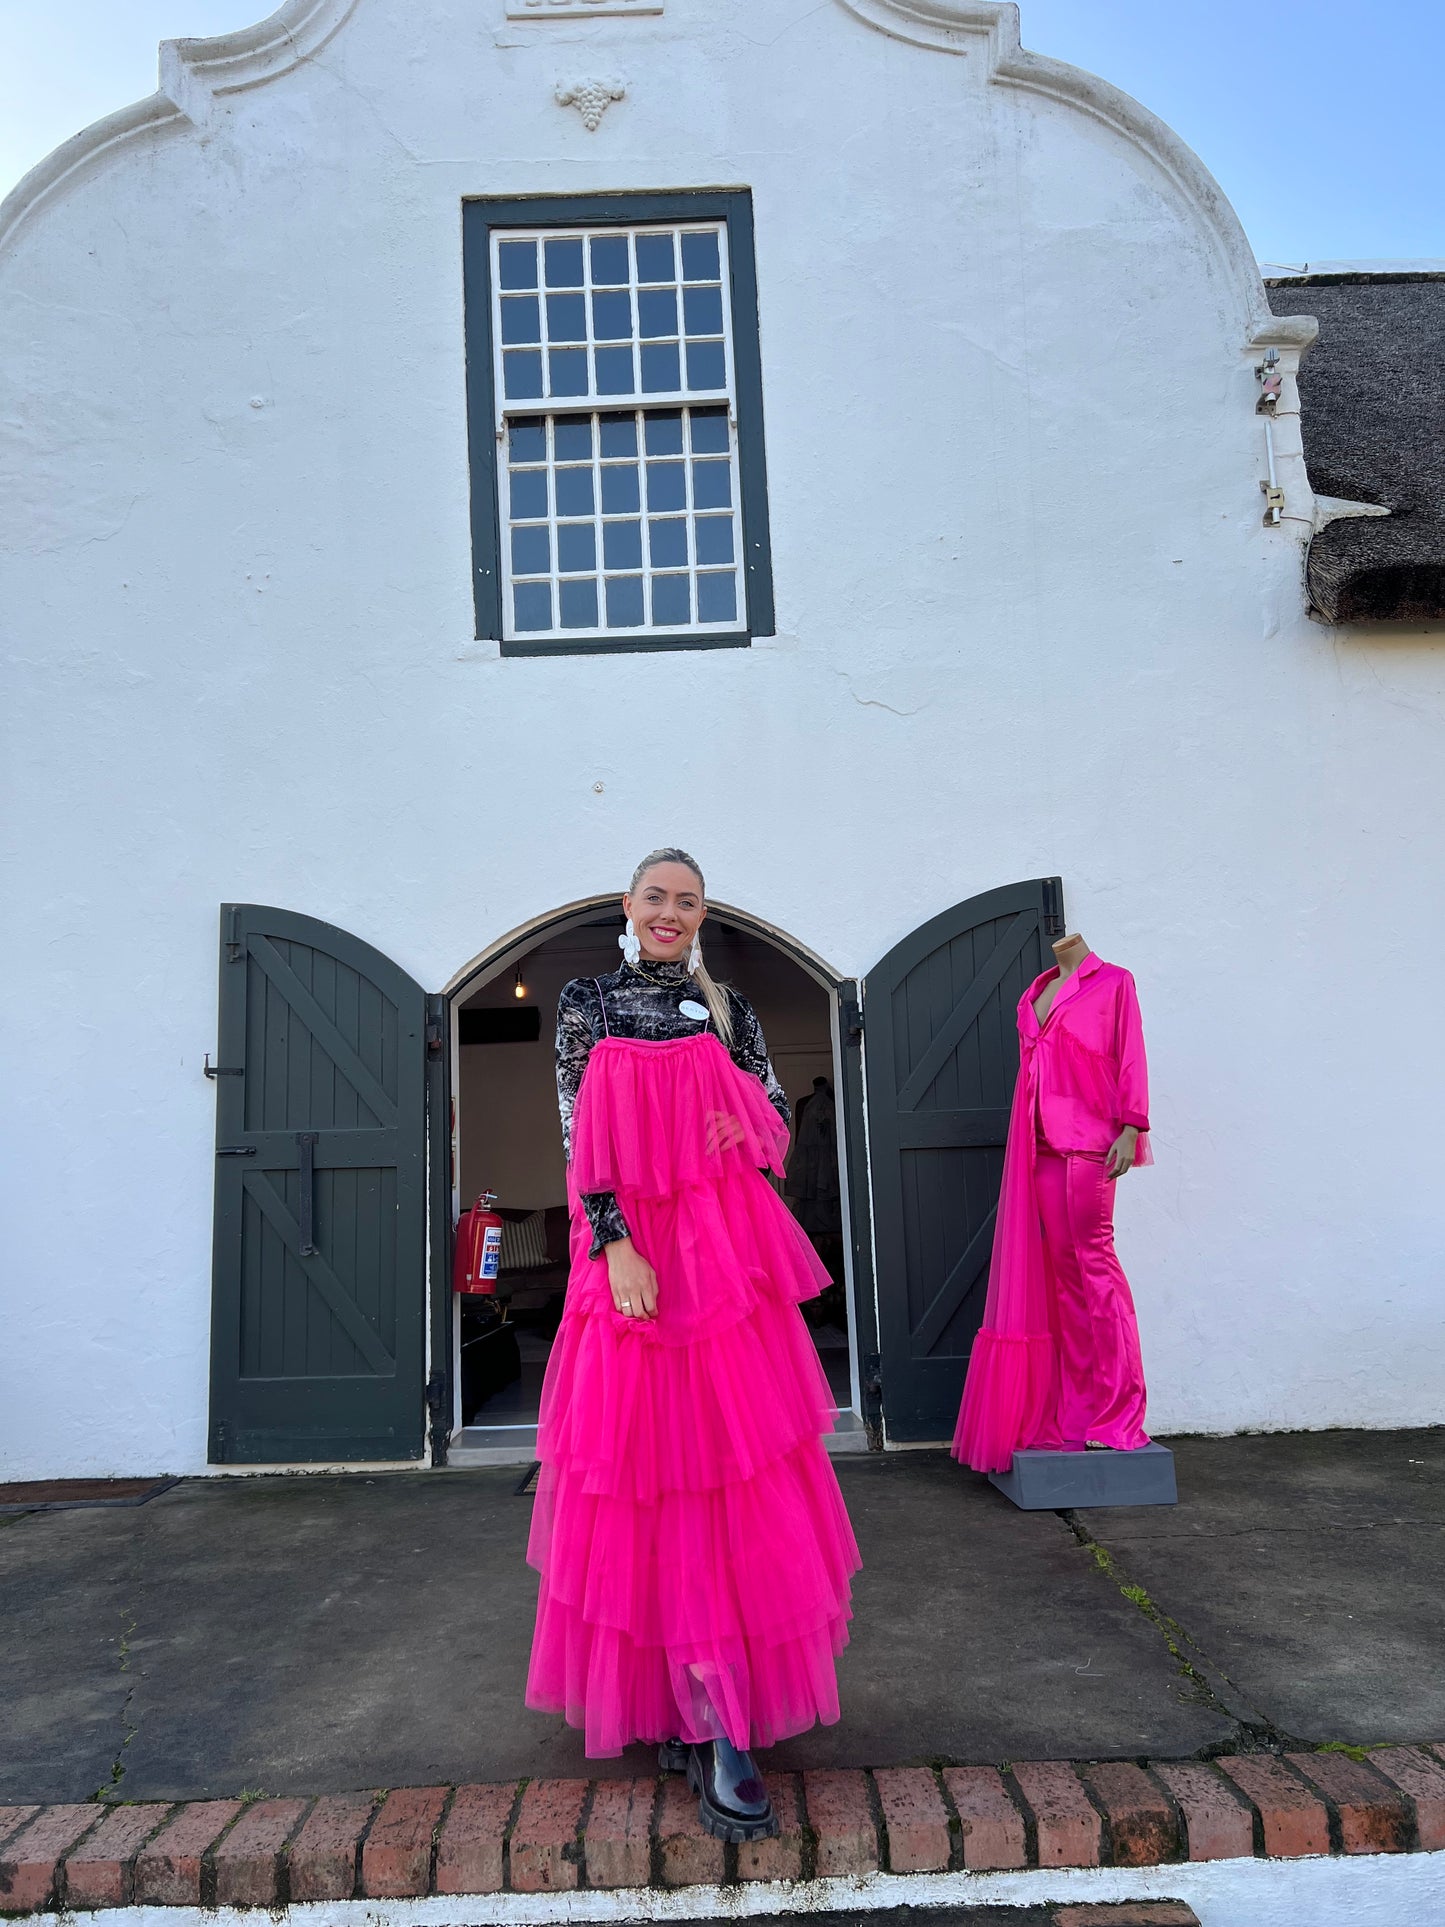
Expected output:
(1059, 1481)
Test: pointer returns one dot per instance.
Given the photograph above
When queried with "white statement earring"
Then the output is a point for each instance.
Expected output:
(694, 958)
(630, 944)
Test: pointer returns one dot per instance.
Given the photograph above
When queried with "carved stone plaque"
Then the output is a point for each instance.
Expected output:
(577, 9)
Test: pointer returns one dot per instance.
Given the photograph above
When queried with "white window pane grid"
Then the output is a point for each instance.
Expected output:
(610, 315)
(621, 523)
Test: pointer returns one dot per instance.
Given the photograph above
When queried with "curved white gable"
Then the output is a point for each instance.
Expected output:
(195, 74)
(989, 30)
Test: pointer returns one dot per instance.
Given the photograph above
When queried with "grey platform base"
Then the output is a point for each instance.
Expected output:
(1052, 1481)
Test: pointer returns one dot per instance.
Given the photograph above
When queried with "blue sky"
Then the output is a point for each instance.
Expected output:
(1321, 122)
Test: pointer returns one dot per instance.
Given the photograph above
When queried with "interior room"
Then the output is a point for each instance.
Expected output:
(508, 1142)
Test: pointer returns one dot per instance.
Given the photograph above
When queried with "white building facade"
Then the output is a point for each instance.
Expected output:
(967, 584)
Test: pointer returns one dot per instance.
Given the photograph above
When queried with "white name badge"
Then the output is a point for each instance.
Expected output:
(696, 1013)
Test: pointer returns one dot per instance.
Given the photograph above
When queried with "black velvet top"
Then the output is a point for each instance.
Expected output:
(642, 1002)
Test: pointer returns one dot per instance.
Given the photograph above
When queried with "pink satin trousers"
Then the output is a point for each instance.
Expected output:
(1101, 1375)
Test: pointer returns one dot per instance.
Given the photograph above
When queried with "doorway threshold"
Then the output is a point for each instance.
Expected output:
(848, 1435)
(492, 1445)
(517, 1444)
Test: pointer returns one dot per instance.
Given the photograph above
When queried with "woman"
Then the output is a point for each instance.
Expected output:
(694, 1549)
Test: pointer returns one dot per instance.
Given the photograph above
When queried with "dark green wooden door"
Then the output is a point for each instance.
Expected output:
(319, 1293)
(941, 1046)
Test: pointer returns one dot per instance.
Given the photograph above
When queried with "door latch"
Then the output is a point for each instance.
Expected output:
(307, 1246)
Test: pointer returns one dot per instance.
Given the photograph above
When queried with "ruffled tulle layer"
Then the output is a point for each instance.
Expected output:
(703, 1609)
(645, 1121)
(1010, 1398)
(720, 1250)
(694, 1548)
(638, 1421)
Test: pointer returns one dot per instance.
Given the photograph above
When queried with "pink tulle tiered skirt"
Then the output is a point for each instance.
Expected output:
(694, 1551)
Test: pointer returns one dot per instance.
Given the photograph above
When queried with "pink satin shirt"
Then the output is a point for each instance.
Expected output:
(1086, 1060)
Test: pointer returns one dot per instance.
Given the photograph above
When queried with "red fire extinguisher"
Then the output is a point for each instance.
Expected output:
(479, 1247)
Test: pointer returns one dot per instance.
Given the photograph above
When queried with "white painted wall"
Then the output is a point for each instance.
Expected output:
(1028, 622)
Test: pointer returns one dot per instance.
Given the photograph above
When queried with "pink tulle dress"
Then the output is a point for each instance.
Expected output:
(694, 1551)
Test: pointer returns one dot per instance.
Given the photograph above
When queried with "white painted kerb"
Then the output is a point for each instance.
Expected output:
(1371, 1890)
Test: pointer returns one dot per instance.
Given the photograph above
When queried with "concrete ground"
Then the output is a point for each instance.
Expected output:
(310, 1634)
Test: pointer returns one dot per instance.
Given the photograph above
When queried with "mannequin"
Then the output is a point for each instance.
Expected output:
(1057, 1364)
(1071, 950)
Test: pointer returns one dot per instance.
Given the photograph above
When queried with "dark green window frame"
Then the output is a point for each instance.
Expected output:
(480, 218)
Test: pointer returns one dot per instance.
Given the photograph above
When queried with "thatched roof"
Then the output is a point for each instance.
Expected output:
(1372, 413)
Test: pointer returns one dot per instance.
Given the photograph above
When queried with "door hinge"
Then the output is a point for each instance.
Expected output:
(435, 1026)
(440, 1429)
(850, 1020)
(870, 1385)
(208, 1069)
(220, 1443)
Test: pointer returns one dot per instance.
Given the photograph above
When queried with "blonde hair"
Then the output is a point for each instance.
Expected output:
(714, 994)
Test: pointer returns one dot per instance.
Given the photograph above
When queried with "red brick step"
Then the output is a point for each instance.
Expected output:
(560, 1836)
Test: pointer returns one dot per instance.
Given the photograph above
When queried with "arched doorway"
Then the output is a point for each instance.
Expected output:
(504, 1138)
(354, 1108)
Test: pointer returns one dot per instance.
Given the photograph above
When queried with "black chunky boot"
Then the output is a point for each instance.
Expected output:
(732, 1802)
(672, 1756)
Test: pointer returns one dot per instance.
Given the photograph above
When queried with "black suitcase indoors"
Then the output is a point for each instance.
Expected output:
(490, 1358)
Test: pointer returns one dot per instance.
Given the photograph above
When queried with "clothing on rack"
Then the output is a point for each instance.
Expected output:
(812, 1174)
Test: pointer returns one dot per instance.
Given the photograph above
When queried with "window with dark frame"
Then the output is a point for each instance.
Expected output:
(619, 494)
